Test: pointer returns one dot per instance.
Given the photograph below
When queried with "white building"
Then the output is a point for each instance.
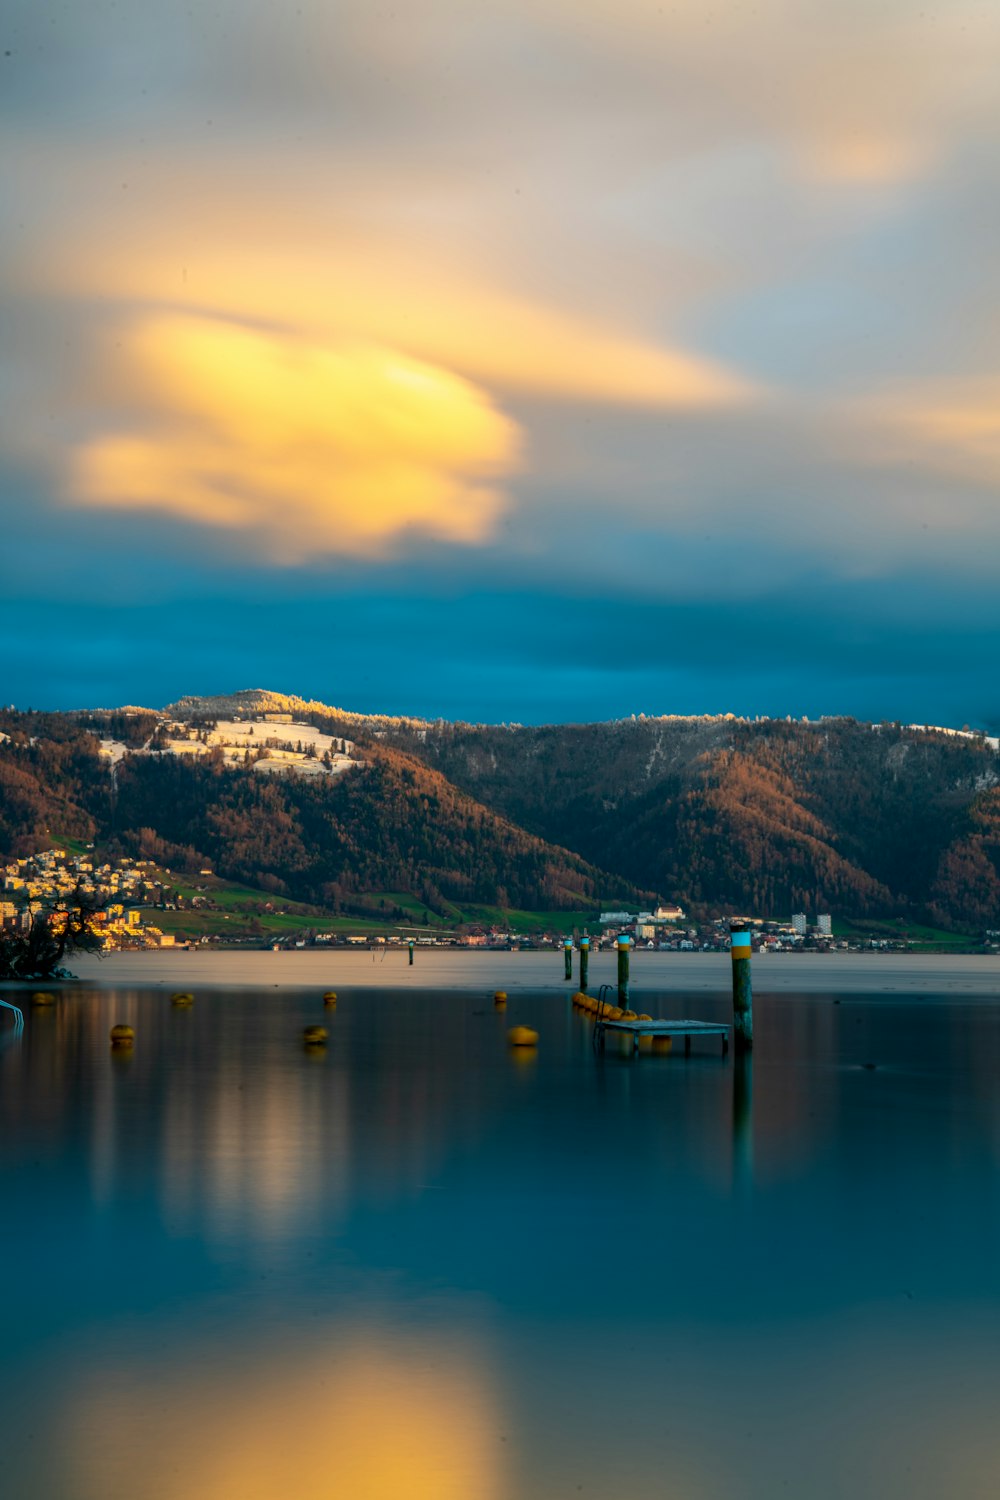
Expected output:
(800, 923)
(824, 924)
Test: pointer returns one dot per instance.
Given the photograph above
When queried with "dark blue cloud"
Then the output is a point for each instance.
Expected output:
(524, 656)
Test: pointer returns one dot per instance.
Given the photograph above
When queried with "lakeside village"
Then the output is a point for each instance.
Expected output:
(129, 894)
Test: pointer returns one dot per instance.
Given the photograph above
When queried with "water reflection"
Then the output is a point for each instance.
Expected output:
(367, 1415)
(244, 1270)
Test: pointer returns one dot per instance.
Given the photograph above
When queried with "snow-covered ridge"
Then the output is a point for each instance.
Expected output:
(962, 734)
(254, 744)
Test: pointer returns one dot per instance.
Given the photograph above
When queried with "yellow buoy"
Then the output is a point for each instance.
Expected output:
(614, 1014)
(662, 1045)
(182, 999)
(43, 997)
(629, 1015)
(644, 1017)
(499, 994)
(122, 1036)
(522, 1036)
(330, 998)
(315, 1036)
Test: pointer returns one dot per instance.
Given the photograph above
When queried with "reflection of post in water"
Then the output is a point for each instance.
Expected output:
(742, 1118)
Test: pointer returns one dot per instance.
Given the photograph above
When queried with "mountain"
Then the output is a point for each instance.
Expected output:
(770, 816)
(717, 813)
(250, 701)
(386, 824)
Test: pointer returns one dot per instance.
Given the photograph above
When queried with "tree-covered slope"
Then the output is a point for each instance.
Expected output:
(718, 813)
(390, 824)
(769, 816)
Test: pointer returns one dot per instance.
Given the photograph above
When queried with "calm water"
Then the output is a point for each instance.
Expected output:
(421, 1266)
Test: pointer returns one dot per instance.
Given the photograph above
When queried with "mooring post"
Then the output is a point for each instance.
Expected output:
(584, 963)
(739, 937)
(623, 947)
(411, 950)
(568, 956)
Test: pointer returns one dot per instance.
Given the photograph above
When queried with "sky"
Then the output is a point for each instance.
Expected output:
(524, 361)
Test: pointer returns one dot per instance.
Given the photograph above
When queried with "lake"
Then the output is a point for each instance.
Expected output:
(418, 1264)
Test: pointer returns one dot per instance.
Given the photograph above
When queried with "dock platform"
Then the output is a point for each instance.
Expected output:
(636, 1029)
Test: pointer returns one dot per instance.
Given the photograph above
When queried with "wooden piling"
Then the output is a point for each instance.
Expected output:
(411, 951)
(742, 989)
(568, 957)
(584, 963)
(623, 948)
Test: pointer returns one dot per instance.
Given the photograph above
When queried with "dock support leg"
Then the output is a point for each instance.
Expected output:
(687, 1046)
(584, 964)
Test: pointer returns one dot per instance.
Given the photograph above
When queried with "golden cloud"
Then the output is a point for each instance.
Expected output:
(311, 445)
(418, 298)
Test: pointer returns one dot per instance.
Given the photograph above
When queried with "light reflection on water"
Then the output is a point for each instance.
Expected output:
(417, 1264)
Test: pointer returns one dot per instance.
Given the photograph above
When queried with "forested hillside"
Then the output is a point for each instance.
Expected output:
(769, 816)
(392, 824)
(718, 814)
(51, 777)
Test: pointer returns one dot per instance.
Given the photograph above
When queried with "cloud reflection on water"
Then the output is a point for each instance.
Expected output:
(373, 1415)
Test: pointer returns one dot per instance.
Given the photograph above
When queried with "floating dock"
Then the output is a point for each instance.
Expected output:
(636, 1029)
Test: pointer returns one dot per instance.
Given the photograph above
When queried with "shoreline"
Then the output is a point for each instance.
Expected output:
(447, 969)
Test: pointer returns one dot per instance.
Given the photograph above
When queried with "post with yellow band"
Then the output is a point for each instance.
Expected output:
(623, 947)
(742, 991)
(584, 964)
(568, 952)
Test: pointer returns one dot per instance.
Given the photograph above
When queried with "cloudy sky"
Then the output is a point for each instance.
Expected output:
(503, 360)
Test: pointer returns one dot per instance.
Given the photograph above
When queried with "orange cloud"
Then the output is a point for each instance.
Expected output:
(421, 299)
(312, 446)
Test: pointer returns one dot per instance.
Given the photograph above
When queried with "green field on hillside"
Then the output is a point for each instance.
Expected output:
(240, 911)
(77, 847)
(276, 926)
(533, 921)
(921, 939)
(488, 916)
